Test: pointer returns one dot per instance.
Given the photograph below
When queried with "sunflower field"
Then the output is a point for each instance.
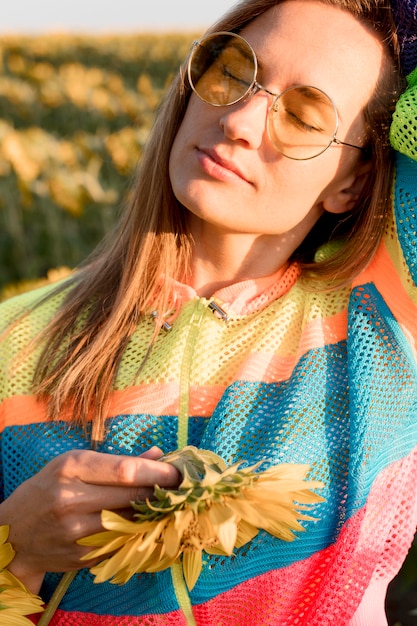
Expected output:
(75, 112)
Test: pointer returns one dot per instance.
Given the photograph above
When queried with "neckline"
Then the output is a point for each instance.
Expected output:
(245, 296)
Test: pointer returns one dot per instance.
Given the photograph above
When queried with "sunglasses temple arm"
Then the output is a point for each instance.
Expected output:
(351, 145)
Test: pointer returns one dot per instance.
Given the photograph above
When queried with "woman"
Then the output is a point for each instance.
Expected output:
(256, 300)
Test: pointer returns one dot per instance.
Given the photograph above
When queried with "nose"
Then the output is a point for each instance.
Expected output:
(246, 120)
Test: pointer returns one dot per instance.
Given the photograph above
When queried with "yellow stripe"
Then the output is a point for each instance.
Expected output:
(188, 356)
(180, 588)
(181, 593)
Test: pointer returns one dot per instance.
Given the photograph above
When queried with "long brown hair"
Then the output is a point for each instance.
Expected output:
(121, 281)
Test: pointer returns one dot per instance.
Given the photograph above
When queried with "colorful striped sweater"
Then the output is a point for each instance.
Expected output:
(324, 378)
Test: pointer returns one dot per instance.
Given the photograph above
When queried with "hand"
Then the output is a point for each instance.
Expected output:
(63, 502)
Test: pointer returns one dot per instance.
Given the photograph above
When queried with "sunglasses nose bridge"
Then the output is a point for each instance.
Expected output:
(253, 89)
(256, 88)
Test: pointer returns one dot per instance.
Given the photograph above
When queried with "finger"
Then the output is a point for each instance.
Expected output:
(153, 453)
(106, 469)
(111, 498)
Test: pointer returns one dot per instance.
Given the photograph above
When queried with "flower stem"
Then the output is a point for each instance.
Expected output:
(57, 596)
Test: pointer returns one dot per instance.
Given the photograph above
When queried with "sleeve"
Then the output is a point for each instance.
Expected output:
(403, 135)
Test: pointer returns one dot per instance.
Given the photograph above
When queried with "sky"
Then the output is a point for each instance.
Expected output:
(97, 16)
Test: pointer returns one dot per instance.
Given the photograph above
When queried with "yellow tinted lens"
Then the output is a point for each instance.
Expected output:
(222, 69)
(302, 122)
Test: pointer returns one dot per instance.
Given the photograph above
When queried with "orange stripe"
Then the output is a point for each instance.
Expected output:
(383, 273)
(162, 399)
(20, 410)
(323, 332)
(23, 410)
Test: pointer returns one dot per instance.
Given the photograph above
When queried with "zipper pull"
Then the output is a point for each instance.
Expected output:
(218, 311)
(164, 324)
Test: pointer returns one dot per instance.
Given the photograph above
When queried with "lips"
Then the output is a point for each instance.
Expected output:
(225, 164)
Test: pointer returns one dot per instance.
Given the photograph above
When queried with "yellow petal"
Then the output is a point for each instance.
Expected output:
(121, 578)
(287, 477)
(224, 522)
(292, 471)
(207, 531)
(143, 555)
(183, 519)
(273, 508)
(15, 620)
(246, 510)
(4, 533)
(23, 604)
(108, 568)
(219, 514)
(157, 560)
(172, 538)
(216, 550)
(6, 555)
(107, 543)
(113, 521)
(112, 546)
(152, 535)
(245, 533)
(137, 563)
(291, 493)
(160, 564)
(152, 557)
(192, 563)
(7, 579)
(281, 531)
(96, 571)
(100, 539)
(227, 535)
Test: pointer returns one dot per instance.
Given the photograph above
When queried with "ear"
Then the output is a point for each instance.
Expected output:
(345, 198)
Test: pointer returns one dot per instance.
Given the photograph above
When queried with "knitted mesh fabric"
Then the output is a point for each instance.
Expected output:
(403, 133)
(276, 384)
(404, 126)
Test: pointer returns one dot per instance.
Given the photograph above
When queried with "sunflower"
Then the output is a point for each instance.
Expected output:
(215, 509)
(16, 600)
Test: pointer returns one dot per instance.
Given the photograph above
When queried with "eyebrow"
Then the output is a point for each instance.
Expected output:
(313, 93)
(320, 96)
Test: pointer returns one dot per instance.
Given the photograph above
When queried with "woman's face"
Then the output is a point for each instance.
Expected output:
(223, 166)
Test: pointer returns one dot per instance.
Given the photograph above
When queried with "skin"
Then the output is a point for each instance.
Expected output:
(249, 206)
(249, 209)
(63, 502)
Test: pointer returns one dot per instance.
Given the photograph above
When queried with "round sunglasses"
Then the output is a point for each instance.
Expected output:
(302, 120)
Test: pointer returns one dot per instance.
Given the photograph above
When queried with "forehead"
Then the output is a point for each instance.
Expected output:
(310, 42)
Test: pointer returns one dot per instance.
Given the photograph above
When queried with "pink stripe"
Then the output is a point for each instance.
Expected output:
(326, 588)
(73, 618)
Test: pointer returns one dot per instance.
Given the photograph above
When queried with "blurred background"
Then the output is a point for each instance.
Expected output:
(80, 82)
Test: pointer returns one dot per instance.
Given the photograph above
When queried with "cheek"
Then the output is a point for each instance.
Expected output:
(177, 143)
(184, 142)
(177, 157)
(299, 180)
(192, 122)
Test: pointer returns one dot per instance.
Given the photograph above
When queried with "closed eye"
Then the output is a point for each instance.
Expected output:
(297, 121)
(228, 74)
